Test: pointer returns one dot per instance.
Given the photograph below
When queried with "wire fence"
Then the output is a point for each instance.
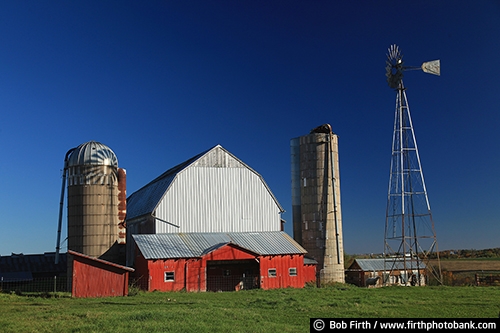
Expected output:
(58, 284)
(215, 283)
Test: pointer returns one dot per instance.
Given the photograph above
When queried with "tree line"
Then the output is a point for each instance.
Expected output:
(447, 254)
(470, 254)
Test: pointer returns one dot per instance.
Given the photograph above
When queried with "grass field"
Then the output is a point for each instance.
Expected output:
(281, 310)
(454, 265)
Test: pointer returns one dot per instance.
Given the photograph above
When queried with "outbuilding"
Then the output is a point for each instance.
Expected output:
(379, 271)
(220, 261)
(92, 277)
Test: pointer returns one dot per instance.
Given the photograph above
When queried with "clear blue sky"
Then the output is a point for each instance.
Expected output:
(161, 81)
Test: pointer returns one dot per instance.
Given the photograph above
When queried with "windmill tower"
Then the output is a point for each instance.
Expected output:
(410, 239)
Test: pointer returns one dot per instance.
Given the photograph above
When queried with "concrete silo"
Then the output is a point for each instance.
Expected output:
(316, 209)
(96, 202)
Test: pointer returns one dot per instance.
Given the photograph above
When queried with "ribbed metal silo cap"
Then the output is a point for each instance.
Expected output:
(93, 153)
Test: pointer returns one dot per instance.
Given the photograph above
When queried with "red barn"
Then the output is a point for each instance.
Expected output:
(212, 223)
(92, 277)
(220, 261)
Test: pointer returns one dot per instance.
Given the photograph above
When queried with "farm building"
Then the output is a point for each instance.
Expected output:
(379, 271)
(18, 270)
(220, 261)
(93, 277)
(211, 215)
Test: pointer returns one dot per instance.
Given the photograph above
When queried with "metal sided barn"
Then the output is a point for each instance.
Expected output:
(216, 197)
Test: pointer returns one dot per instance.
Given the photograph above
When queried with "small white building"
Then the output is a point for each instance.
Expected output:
(379, 272)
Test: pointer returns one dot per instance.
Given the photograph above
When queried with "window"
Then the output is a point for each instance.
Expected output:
(292, 271)
(271, 272)
(169, 276)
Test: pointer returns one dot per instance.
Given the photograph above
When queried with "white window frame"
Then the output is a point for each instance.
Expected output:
(169, 276)
(271, 272)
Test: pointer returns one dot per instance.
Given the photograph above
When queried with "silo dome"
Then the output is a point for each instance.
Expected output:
(93, 153)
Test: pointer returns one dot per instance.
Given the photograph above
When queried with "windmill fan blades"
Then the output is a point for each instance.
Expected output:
(394, 52)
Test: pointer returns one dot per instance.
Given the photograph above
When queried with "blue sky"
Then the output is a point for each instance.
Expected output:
(161, 81)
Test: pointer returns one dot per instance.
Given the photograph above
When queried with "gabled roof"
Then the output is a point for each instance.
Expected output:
(104, 263)
(145, 200)
(369, 265)
(195, 245)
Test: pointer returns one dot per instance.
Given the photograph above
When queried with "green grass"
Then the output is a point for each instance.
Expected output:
(282, 310)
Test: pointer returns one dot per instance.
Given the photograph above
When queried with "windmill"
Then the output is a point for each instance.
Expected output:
(410, 239)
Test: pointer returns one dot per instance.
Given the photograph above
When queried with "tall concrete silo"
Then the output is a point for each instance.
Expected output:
(96, 202)
(316, 209)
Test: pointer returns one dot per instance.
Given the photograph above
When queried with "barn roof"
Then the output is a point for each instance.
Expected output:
(379, 265)
(145, 200)
(192, 245)
(93, 261)
(25, 265)
(309, 261)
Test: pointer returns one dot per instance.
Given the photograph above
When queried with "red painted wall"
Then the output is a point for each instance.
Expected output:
(91, 278)
(310, 273)
(191, 274)
(229, 252)
(185, 274)
(282, 264)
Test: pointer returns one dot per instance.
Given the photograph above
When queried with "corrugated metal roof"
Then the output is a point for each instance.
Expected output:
(105, 262)
(381, 264)
(309, 261)
(192, 245)
(201, 242)
(146, 199)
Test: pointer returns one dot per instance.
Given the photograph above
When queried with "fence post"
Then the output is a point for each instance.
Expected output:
(55, 283)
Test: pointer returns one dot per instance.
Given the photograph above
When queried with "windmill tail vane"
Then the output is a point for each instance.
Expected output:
(432, 67)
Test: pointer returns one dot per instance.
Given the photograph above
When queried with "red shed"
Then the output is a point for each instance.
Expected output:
(219, 261)
(92, 277)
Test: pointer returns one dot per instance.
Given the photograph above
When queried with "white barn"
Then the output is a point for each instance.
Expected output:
(211, 192)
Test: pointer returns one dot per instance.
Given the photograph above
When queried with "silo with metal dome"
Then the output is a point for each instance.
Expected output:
(96, 201)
